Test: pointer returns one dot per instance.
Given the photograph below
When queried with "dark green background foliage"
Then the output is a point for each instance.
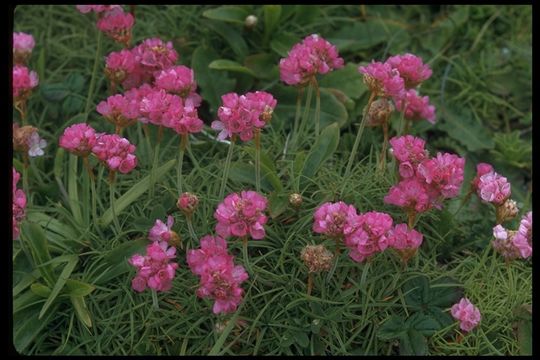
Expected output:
(80, 301)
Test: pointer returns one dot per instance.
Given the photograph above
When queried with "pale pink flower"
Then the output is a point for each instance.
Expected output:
(401, 238)
(333, 219)
(121, 68)
(36, 145)
(523, 238)
(481, 169)
(78, 139)
(314, 55)
(381, 79)
(211, 247)
(155, 269)
(161, 231)
(370, 235)
(155, 55)
(119, 110)
(504, 243)
(117, 25)
(493, 188)
(24, 81)
(116, 152)
(409, 151)
(241, 215)
(411, 68)
(22, 47)
(444, 174)
(179, 80)
(416, 107)
(410, 194)
(466, 313)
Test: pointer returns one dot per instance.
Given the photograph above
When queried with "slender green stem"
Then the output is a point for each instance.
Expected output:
(317, 109)
(112, 188)
(226, 168)
(183, 142)
(155, 162)
(25, 175)
(245, 254)
(92, 186)
(307, 108)
(464, 201)
(401, 128)
(296, 118)
(148, 145)
(359, 135)
(384, 146)
(309, 283)
(155, 302)
(257, 140)
(97, 60)
(191, 230)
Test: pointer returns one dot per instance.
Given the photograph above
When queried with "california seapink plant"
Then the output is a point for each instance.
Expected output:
(334, 221)
(23, 44)
(117, 25)
(514, 244)
(163, 232)
(405, 241)
(24, 81)
(220, 278)
(317, 259)
(367, 234)
(18, 205)
(243, 116)
(314, 55)
(27, 141)
(187, 204)
(467, 314)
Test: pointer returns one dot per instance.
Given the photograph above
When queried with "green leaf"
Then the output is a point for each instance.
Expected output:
(64, 275)
(78, 288)
(124, 251)
(524, 329)
(75, 82)
(444, 292)
(245, 173)
(134, 193)
(322, 150)
(228, 65)
(510, 149)
(212, 83)
(347, 79)
(392, 328)
(416, 291)
(232, 36)
(272, 14)
(424, 324)
(27, 326)
(73, 190)
(362, 35)
(302, 339)
(265, 159)
(263, 65)
(54, 92)
(34, 236)
(40, 290)
(51, 224)
(306, 14)
(81, 310)
(413, 343)
(72, 105)
(277, 204)
(462, 127)
(26, 281)
(233, 14)
(283, 42)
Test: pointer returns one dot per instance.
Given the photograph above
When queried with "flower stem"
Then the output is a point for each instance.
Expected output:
(112, 186)
(155, 299)
(97, 60)
(317, 108)
(245, 254)
(257, 140)
(155, 162)
(307, 107)
(297, 118)
(384, 146)
(401, 128)
(226, 168)
(147, 136)
(359, 135)
(92, 186)
(338, 249)
(190, 228)
(25, 174)
(183, 143)
(411, 216)
(309, 283)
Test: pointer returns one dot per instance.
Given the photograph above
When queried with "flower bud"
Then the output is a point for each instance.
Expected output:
(175, 240)
(379, 112)
(295, 200)
(21, 137)
(508, 210)
(317, 258)
(187, 202)
(250, 22)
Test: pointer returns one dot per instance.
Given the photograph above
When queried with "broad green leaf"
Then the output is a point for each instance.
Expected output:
(27, 326)
(233, 14)
(424, 324)
(26, 281)
(232, 36)
(72, 105)
(278, 203)
(54, 92)
(362, 35)
(212, 83)
(40, 290)
(51, 224)
(511, 149)
(307, 14)
(272, 14)
(322, 150)
(393, 328)
(265, 159)
(346, 79)
(413, 343)
(81, 310)
(444, 292)
(78, 288)
(124, 251)
(263, 65)
(302, 339)
(26, 300)
(462, 127)
(229, 65)
(64, 275)
(75, 82)
(442, 317)
(245, 173)
(283, 42)
(34, 236)
(134, 193)
(299, 161)
(416, 291)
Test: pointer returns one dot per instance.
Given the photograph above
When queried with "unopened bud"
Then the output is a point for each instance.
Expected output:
(379, 112)
(187, 203)
(250, 22)
(317, 258)
(508, 210)
(175, 240)
(295, 200)
(21, 137)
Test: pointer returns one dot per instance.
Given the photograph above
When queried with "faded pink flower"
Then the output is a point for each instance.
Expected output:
(263, 104)
(116, 152)
(23, 44)
(381, 79)
(370, 235)
(122, 68)
(481, 169)
(117, 25)
(494, 188)
(466, 313)
(504, 243)
(241, 215)
(416, 107)
(155, 55)
(333, 219)
(24, 81)
(78, 139)
(523, 238)
(161, 231)
(411, 68)
(314, 55)
(410, 194)
(444, 174)
(401, 238)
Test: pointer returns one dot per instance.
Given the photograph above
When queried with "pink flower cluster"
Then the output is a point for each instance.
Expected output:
(23, 44)
(467, 314)
(179, 80)
(411, 68)
(403, 238)
(383, 80)
(241, 215)
(514, 244)
(368, 234)
(220, 279)
(425, 182)
(490, 186)
(332, 219)
(120, 110)
(117, 25)
(19, 205)
(24, 81)
(78, 139)
(242, 115)
(416, 107)
(116, 152)
(156, 269)
(314, 55)
(161, 231)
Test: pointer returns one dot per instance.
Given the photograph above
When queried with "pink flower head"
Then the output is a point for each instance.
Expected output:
(503, 243)
(116, 152)
(78, 139)
(466, 313)
(410, 194)
(415, 106)
(119, 110)
(401, 238)
(411, 68)
(188, 122)
(383, 80)
(263, 104)
(333, 219)
(523, 238)
(242, 214)
(481, 169)
(161, 231)
(19, 204)
(409, 151)
(155, 55)
(22, 47)
(154, 270)
(117, 25)
(314, 55)
(24, 81)
(370, 235)
(187, 203)
(96, 8)
(443, 173)
(211, 247)
(493, 188)
(179, 80)
(235, 117)
(161, 109)
(121, 67)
